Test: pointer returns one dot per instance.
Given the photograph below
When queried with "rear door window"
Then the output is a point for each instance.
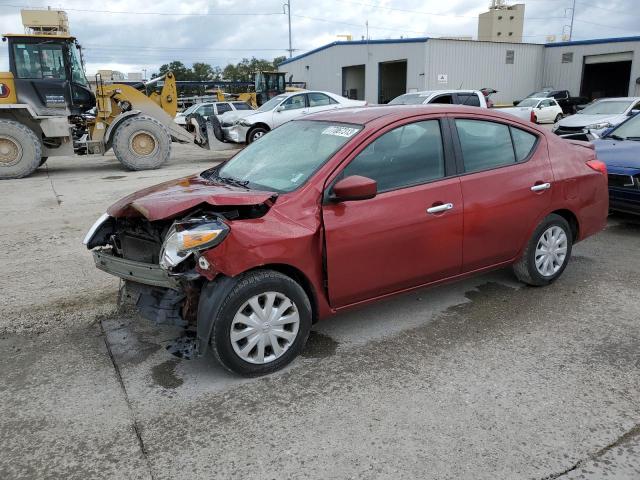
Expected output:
(484, 144)
(408, 155)
(242, 106)
(318, 99)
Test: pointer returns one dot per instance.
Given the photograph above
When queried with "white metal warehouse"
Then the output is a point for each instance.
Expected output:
(379, 70)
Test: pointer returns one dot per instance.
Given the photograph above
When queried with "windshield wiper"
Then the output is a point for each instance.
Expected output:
(617, 137)
(230, 181)
(633, 138)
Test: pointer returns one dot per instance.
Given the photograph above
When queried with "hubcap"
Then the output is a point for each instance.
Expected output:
(10, 151)
(143, 144)
(264, 327)
(257, 135)
(551, 251)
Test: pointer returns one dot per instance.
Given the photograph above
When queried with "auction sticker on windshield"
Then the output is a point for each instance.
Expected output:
(340, 131)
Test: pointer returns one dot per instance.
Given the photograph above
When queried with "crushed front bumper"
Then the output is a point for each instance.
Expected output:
(139, 272)
(236, 133)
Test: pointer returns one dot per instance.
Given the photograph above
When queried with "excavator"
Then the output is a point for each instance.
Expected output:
(47, 108)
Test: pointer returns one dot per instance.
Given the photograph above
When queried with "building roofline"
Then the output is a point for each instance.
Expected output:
(354, 42)
(594, 41)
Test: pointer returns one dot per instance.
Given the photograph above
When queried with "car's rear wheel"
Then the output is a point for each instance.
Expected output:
(547, 253)
(256, 133)
(262, 325)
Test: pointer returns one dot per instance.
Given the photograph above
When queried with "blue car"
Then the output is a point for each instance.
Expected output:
(619, 148)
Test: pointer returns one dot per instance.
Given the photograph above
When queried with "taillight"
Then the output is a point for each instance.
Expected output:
(533, 117)
(598, 166)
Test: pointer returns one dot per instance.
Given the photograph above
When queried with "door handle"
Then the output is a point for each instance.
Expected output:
(540, 187)
(440, 208)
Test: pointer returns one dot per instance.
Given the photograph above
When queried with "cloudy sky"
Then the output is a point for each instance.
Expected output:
(134, 35)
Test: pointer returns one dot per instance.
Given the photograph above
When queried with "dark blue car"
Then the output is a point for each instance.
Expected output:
(619, 148)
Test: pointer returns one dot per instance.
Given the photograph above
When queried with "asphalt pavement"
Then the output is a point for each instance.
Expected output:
(483, 379)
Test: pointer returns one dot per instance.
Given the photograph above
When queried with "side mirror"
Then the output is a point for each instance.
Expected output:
(354, 187)
(280, 108)
(540, 107)
(516, 102)
(633, 113)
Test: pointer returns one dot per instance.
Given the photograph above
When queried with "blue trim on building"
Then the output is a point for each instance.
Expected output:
(355, 42)
(595, 41)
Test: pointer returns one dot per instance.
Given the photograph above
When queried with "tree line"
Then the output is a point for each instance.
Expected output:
(240, 72)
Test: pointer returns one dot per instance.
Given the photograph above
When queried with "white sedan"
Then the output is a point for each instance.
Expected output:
(281, 109)
(537, 110)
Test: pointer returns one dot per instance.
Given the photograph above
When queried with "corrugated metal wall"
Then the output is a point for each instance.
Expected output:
(324, 70)
(568, 76)
(483, 64)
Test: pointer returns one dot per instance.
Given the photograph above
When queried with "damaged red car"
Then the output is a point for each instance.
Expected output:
(342, 208)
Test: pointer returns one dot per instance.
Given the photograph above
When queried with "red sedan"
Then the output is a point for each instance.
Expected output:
(343, 208)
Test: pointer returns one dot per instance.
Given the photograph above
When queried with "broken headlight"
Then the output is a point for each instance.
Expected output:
(188, 236)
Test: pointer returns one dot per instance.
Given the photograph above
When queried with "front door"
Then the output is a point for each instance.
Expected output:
(291, 108)
(507, 185)
(411, 232)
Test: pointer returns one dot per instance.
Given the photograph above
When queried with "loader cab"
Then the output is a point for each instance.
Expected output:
(49, 75)
(268, 85)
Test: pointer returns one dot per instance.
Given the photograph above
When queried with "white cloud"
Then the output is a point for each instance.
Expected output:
(132, 42)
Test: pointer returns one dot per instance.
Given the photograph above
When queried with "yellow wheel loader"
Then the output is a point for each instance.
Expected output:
(47, 108)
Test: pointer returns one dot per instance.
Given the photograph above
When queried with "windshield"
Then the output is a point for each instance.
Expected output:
(242, 106)
(538, 95)
(77, 71)
(284, 159)
(629, 129)
(529, 102)
(410, 99)
(271, 104)
(606, 108)
(191, 109)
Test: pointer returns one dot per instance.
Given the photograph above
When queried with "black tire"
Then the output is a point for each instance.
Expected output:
(558, 118)
(142, 143)
(43, 161)
(525, 269)
(255, 133)
(247, 286)
(20, 150)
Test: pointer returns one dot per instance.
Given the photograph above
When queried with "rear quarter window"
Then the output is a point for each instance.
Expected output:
(523, 143)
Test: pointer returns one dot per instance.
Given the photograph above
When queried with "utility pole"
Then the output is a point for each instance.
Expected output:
(573, 13)
(288, 7)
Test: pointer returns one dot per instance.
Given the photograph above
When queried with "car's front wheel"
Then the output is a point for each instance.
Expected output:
(256, 133)
(262, 325)
(558, 118)
(547, 252)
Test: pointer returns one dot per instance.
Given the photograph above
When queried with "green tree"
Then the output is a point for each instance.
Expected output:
(277, 61)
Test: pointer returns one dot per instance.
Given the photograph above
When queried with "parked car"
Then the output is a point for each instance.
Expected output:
(599, 116)
(280, 109)
(472, 98)
(341, 208)
(619, 148)
(537, 110)
(568, 103)
(212, 108)
(487, 92)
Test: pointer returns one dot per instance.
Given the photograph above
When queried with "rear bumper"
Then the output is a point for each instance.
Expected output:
(144, 273)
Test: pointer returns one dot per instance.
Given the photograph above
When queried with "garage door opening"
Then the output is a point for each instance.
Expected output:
(392, 80)
(353, 82)
(606, 75)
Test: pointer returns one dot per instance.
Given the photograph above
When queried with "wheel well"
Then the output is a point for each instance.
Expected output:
(22, 116)
(572, 220)
(261, 125)
(301, 279)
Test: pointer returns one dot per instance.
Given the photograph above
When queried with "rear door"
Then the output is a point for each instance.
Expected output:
(411, 232)
(506, 186)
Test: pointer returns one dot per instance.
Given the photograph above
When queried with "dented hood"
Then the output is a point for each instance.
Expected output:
(170, 199)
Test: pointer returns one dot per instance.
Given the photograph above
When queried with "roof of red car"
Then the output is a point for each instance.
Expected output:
(363, 115)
